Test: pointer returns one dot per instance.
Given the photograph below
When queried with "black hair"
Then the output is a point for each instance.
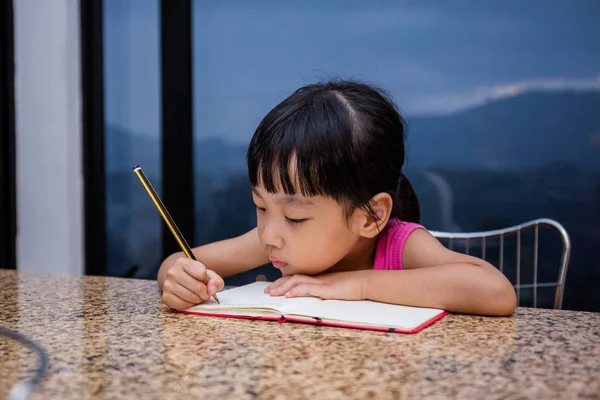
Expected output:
(346, 140)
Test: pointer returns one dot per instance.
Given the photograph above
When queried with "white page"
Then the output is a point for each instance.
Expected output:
(253, 296)
(371, 313)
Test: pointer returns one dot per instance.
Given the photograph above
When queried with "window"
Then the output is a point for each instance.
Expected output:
(132, 135)
(499, 97)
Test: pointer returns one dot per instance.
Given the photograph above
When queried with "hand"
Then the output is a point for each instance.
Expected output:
(189, 283)
(337, 285)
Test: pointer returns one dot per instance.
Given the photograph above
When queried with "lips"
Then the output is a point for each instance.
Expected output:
(276, 263)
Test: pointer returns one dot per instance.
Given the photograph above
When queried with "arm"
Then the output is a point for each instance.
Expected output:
(226, 257)
(440, 278)
(433, 277)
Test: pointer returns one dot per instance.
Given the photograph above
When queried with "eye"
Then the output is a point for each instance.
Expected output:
(262, 209)
(295, 221)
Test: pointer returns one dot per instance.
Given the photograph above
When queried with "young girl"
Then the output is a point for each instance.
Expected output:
(336, 215)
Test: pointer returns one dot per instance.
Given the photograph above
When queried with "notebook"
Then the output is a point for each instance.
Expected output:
(250, 301)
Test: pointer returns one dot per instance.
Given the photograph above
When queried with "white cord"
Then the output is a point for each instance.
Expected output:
(23, 388)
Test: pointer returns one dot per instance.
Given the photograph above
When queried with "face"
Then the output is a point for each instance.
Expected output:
(303, 235)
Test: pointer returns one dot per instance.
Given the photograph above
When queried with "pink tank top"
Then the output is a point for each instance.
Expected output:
(390, 244)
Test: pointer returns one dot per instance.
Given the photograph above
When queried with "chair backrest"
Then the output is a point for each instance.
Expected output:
(469, 240)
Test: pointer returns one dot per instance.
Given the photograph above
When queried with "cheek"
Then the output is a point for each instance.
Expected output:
(260, 226)
(340, 241)
(326, 247)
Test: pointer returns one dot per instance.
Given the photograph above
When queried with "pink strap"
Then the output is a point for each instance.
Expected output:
(390, 244)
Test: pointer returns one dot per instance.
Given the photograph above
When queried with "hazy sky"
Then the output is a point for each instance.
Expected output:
(433, 56)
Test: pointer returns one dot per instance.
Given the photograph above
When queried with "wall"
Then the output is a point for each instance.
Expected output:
(48, 136)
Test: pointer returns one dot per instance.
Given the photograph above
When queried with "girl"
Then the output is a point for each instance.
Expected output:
(337, 216)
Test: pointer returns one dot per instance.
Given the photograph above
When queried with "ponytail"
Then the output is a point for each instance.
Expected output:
(406, 203)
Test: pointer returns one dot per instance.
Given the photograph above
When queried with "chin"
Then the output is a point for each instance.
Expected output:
(286, 271)
(303, 272)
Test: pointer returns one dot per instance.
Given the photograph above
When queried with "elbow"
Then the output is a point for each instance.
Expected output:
(505, 300)
(494, 298)
(502, 296)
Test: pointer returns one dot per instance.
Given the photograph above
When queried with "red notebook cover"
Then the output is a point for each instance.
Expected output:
(316, 321)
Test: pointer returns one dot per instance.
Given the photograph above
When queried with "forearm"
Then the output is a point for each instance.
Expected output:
(461, 288)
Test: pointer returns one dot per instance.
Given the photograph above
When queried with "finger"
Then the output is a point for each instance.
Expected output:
(173, 301)
(215, 282)
(277, 283)
(192, 284)
(194, 268)
(183, 293)
(290, 283)
(308, 289)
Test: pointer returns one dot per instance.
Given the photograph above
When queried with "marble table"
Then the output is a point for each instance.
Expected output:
(113, 338)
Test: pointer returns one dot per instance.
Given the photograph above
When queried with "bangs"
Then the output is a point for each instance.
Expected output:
(304, 146)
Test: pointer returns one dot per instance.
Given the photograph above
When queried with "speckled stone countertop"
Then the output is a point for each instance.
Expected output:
(113, 338)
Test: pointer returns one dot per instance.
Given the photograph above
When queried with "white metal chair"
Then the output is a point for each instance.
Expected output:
(470, 240)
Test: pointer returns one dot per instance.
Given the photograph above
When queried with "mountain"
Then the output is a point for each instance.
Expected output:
(211, 155)
(216, 156)
(124, 150)
(523, 131)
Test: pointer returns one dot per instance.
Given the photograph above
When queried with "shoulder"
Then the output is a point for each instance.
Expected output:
(422, 249)
(391, 243)
(397, 232)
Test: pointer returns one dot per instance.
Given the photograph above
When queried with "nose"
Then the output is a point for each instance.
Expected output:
(271, 237)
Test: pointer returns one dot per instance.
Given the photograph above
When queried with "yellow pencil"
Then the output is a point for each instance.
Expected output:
(166, 216)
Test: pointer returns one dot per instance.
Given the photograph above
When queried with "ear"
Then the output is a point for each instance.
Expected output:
(381, 205)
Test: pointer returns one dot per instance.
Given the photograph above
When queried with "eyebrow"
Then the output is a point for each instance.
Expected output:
(294, 200)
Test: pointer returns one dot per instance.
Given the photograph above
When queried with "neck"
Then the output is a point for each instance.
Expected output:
(361, 257)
